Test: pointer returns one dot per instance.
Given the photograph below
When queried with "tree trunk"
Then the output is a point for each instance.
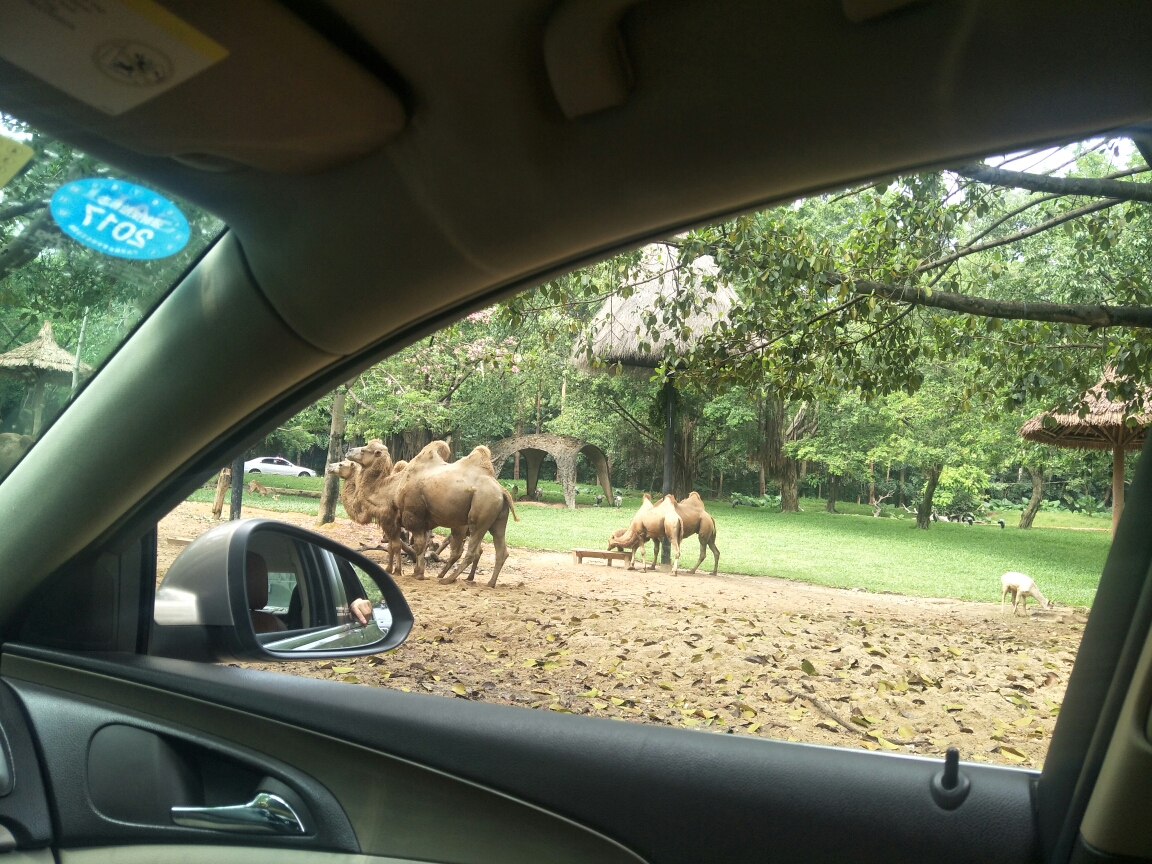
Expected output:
(1117, 487)
(237, 482)
(762, 488)
(516, 455)
(331, 491)
(900, 497)
(789, 488)
(924, 510)
(539, 413)
(79, 350)
(833, 488)
(1037, 498)
(871, 484)
(720, 488)
(669, 457)
(222, 484)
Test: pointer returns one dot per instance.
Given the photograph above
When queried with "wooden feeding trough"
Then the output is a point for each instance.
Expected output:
(578, 556)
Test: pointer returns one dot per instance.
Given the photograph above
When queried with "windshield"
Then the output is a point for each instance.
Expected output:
(86, 250)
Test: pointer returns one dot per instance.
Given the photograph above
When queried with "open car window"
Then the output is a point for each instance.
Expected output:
(895, 507)
(85, 252)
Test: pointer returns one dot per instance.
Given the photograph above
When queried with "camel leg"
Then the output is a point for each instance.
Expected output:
(456, 539)
(499, 547)
(471, 556)
(418, 567)
(703, 552)
(395, 556)
(675, 555)
(475, 564)
(715, 557)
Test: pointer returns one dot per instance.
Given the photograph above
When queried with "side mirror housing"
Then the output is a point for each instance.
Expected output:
(259, 589)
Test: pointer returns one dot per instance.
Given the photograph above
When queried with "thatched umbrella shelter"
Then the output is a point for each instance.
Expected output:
(1102, 428)
(41, 362)
(620, 328)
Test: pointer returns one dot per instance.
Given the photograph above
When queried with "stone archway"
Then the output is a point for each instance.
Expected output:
(563, 449)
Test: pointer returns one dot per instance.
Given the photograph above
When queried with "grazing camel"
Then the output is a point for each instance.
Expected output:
(1021, 587)
(652, 522)
(698, 521)
(462, 496)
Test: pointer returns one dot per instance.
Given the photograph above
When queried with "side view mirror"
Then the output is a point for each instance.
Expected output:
(258, 589)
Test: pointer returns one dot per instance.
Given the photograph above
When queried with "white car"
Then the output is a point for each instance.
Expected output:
(276, 465)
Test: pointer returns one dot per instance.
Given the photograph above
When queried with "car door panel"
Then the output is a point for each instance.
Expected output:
(395, 807)
(174, 854)
(23, 810)
(450, 780)
(87, 808)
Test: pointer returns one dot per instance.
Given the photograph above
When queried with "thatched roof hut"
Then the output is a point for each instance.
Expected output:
(1104, 427)
(619, 328)
(41, 357)
(42, 362)
(619, 335)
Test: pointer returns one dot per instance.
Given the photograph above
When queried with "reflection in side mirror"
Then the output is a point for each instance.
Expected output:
(261, 589)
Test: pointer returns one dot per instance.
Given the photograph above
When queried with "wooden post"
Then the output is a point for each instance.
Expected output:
(237, 482)
(1117, 487)
(222, 484)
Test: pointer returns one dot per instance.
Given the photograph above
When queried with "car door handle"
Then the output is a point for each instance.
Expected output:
(264, 814)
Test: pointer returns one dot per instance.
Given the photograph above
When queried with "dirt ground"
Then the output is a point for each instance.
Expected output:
(736, 654)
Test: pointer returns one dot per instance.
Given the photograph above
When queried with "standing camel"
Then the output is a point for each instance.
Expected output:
(462, 496)
(696, 520)
(652, 522)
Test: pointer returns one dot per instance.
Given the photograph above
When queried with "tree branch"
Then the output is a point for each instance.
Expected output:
(1088, 315)
(1087, 186)
(1021, 235)
(632, 421)
(20, 209)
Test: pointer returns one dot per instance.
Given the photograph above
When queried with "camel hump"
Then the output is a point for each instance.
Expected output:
(437, 451)
(647, 497)
(694, 495)
(400, 466)
(511, 505)
(481, 457)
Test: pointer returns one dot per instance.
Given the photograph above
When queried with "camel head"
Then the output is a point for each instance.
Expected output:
(622, 540)
(344, 468)
(370, 453)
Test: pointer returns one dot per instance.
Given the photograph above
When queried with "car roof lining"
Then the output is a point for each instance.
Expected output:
(489, 187)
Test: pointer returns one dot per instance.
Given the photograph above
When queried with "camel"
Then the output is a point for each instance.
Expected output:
(365, 495)
(698, 521)
(12, 447)
(462, 496)
(655, 523)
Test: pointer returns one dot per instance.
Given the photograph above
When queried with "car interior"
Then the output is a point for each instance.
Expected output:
(382, 169)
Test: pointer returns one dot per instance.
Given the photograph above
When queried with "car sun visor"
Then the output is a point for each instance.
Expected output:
(213, 84)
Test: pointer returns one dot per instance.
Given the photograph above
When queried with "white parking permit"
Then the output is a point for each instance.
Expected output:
(111, 54)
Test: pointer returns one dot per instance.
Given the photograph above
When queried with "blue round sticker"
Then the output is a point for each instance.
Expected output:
(120, 218)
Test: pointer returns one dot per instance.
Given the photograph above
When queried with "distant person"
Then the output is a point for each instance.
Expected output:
(256, 572)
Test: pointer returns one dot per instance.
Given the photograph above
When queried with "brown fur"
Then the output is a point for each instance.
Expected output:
(652, 522)
(696, 520)
(12, 448)
(462, 496)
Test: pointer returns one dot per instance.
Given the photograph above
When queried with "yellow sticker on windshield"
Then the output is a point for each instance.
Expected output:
(111, 55)
(13, 157)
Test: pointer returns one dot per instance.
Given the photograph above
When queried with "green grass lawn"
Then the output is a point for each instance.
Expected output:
(850, 550)
(285, 503)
